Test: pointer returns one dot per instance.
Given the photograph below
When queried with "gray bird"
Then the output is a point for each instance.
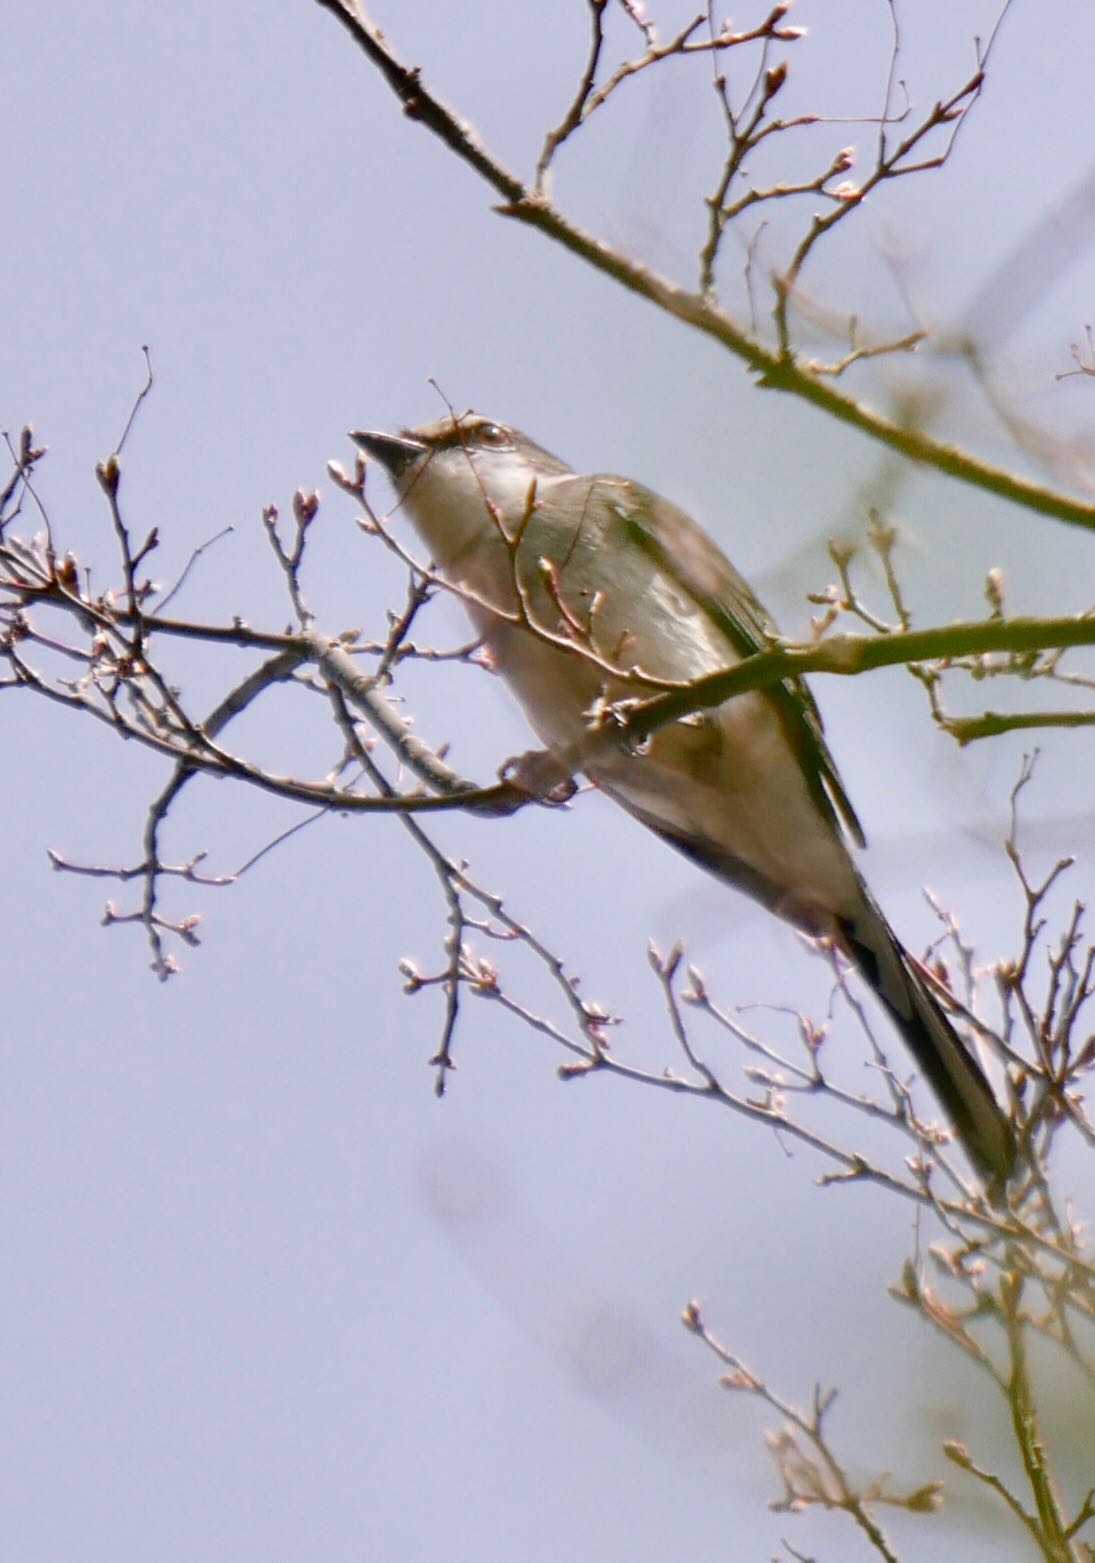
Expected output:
(589, 590)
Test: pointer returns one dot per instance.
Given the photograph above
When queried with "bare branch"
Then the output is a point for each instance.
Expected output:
(775, 368)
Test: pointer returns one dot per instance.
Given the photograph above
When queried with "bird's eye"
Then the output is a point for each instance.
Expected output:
(491, 434)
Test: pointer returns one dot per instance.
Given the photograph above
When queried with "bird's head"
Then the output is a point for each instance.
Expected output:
(461, 477)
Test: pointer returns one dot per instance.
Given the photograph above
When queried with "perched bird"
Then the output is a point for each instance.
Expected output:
(589, 590)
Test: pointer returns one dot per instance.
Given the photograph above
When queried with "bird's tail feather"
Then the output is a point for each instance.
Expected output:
(952, 1072)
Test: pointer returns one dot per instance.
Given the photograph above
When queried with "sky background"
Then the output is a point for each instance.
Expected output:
(264, 1297)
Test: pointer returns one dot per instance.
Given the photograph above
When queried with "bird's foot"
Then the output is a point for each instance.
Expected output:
(540, 775)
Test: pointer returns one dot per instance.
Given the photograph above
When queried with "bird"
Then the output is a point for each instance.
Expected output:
(588, 591)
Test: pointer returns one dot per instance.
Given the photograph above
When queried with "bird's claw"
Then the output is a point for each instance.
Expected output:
(540, 775)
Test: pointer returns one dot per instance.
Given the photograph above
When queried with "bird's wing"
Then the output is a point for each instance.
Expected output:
(683, 551)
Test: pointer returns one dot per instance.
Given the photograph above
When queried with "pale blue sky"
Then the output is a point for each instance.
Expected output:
(264, 1297)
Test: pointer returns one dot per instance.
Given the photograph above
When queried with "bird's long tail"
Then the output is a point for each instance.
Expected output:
(985, 1131)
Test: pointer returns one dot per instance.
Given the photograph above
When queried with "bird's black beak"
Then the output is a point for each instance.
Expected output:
(396, 452)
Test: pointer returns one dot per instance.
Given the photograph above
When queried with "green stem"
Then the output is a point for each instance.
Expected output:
(850, 654)
(1053, 1537)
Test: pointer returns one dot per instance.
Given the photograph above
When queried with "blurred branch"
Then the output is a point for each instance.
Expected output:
(811, 1472)
(990, 724)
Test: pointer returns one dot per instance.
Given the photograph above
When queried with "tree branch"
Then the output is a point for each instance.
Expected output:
(775, 369)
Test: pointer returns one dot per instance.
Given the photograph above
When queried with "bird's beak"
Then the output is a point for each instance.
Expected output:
(396, 452)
